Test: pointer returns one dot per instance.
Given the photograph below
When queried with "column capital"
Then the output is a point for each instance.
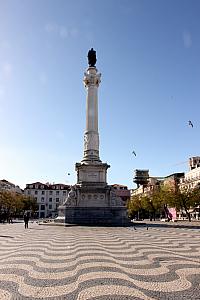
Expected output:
(92, 77)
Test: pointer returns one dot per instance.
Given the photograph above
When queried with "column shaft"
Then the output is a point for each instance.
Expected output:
(92, 109)
(91, 136)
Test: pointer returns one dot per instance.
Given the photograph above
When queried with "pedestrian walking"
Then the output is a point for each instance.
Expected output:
(26, 219)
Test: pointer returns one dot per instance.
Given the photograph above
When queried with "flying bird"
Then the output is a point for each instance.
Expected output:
(68, 173)
(190, 123)
(133, 152)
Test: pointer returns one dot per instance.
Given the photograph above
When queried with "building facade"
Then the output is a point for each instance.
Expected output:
(191, 180)
(192, 177)
(172, 181)
(177, 181)
(48, 197)
(155, 183)
(122, 191)
(151, 185)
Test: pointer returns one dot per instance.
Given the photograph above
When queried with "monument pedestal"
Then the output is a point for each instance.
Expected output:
(91, 201)
(94, 204)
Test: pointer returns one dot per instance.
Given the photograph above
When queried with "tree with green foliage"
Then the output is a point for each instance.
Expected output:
(134, 206)
(156, 203)
(185, 199)
(7, 204)
(13, 204)
(29, 204)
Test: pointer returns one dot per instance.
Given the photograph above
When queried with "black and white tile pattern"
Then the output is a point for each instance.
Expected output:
(79, 263)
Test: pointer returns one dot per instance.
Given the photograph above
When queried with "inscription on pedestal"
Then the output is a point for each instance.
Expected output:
(93, 177)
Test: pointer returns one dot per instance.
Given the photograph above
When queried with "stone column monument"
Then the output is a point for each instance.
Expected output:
(92, 201)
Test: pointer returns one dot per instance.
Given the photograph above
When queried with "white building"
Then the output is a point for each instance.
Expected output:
(48, 196)
(190, 181)
(192, 177)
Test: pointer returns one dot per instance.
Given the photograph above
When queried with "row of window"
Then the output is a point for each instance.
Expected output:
(50, 199)
(50, 193)
(54, 187)
(42, 207)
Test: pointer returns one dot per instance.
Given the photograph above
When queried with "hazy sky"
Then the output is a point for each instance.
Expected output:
(149, 55)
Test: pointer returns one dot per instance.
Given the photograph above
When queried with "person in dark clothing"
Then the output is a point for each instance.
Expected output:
(26, 219)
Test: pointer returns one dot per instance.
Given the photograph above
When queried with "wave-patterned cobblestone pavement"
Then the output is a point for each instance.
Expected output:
(51, 262)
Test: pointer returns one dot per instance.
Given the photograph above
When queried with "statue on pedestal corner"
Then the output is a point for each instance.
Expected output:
(71, 198)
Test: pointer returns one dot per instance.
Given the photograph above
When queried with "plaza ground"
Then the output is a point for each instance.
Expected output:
(74, 262)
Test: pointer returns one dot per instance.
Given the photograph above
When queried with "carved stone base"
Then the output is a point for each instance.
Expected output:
(91, 204)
